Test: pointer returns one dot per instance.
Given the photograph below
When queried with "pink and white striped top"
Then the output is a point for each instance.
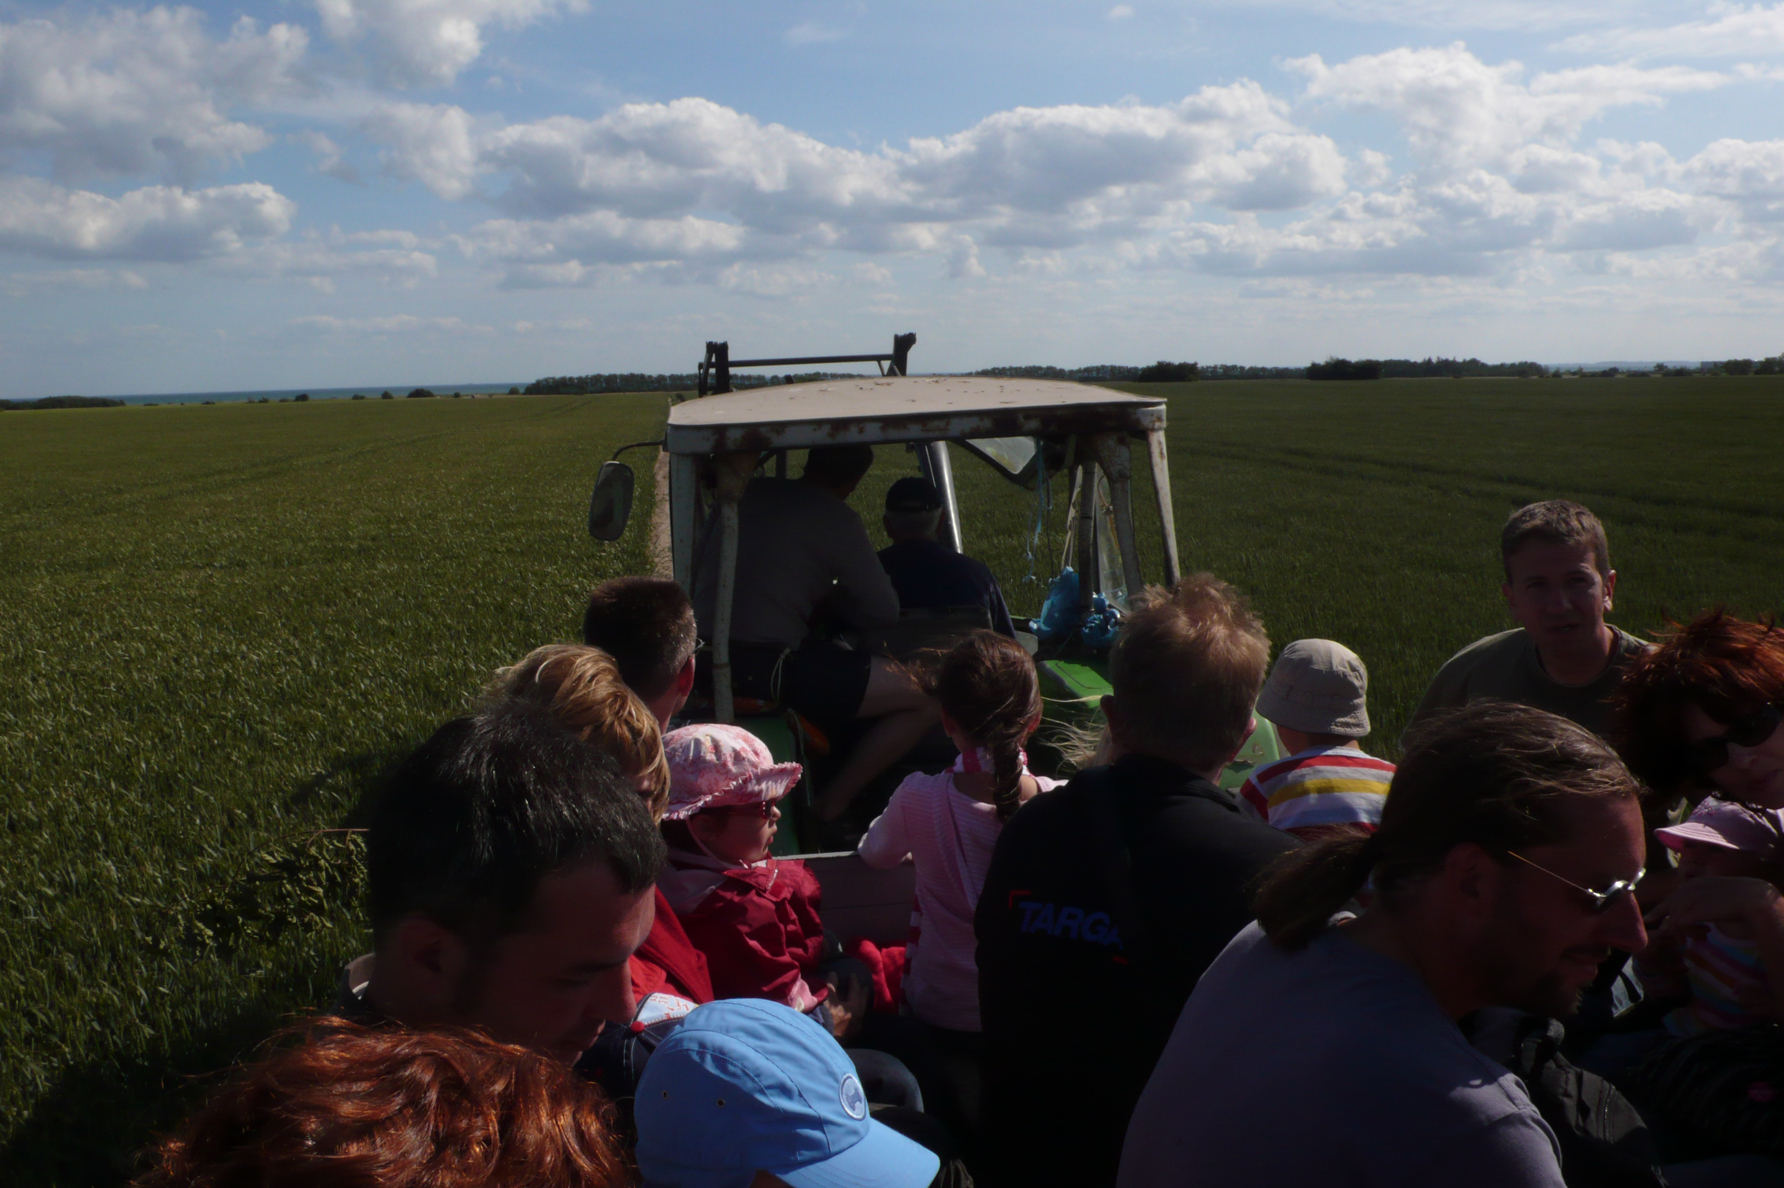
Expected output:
(949, 836)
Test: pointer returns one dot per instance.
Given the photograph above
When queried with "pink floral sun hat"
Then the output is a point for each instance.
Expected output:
(712, 765)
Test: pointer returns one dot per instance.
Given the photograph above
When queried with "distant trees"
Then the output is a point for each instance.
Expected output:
(62, 402)
(1162, 372)
(421, 394)
(1343, 369)
(302, 398)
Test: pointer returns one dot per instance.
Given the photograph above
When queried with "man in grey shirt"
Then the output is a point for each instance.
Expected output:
(800, 545)
(1321, 1049)
(1562, 657)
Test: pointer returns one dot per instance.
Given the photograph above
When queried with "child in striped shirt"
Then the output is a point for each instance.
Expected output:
(1315, 699)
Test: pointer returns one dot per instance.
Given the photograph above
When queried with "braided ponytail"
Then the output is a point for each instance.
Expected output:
(987, 684)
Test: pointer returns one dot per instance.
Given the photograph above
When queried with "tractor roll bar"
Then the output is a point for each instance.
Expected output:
(718, 362)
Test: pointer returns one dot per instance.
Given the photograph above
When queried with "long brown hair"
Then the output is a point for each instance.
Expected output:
(987, 684)
(1496, 774)
(339, 1105)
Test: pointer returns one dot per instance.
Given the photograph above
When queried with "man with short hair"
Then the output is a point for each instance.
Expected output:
(510, 875)
(647, 625)
(1562, 657)
(1322, 1048)
(927, 574)
(1107, 898)
(799, 544)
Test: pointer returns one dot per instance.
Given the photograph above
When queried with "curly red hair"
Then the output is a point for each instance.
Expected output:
(348, 1106)
(1723, 665)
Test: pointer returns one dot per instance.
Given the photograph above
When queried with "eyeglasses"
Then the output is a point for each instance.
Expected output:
(1601, 900)
(1711, 754)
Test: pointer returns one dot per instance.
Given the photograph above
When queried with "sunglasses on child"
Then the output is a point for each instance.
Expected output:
(1711, 754)
(1601, 900)
(759, 808)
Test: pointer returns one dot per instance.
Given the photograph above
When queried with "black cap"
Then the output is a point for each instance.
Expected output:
(912, 495)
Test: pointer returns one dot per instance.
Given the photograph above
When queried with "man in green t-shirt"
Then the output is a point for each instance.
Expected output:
(1563, 657)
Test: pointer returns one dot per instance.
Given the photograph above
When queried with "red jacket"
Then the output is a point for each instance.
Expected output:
(669, 962)
(757, 925)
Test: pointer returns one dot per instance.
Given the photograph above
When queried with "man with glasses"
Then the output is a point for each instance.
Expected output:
(1502, 875)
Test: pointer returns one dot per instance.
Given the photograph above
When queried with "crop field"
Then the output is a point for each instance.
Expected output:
(225, 623)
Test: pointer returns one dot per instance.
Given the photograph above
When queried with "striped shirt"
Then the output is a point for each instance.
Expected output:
(1317, 787)
(1720, 970)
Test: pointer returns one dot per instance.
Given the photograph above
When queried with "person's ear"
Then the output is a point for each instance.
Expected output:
(1034, 724)
(1116, 718)
(684, 680)
(1610, 590)
(949, 726)
(1472, 881)
(1505, 593)
(430, 963)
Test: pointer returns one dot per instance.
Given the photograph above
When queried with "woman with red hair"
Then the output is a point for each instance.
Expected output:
(1701, 711)
(347, 1106)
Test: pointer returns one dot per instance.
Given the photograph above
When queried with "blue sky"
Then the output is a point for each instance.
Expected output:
(336, 192)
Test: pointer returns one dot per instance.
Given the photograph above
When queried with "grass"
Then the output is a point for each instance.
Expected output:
(225, 623)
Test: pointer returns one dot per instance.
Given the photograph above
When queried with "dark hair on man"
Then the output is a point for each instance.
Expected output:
(338, 1104)
(1499, 775)
(489, 806)
(838, 466)
(1554, 521)
(1723, 665)
(647, 625)
(1187, 668)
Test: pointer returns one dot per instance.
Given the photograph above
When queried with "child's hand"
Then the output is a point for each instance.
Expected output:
(1713, 899)
(849, 1001)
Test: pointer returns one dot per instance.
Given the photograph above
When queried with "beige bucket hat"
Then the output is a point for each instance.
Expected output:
(1317, 687)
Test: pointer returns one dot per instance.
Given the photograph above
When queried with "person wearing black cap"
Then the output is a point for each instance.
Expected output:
(927, 574)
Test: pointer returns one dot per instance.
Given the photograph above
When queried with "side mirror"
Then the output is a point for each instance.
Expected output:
(611, 504)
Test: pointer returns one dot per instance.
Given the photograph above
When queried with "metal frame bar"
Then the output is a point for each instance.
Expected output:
(1116, 457)
(1161, 486)
(715, 369)
(933, 460)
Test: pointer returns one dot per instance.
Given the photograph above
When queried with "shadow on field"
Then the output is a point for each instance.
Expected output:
(366, 770)
(92, 1124)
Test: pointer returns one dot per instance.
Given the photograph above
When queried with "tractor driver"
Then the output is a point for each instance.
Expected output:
(800, 544)
(927, 573)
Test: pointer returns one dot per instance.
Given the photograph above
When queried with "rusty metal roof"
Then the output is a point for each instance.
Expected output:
(872, 410)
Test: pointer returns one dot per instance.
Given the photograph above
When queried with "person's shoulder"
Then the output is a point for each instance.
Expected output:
(1487, 649)
(1629, 646)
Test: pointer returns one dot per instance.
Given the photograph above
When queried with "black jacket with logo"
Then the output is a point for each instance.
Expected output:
(1075, 1016)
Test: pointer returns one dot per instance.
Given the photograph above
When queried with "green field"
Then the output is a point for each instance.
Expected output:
(225, 622)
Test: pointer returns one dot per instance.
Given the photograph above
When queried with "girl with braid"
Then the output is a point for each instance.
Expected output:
(947, 824)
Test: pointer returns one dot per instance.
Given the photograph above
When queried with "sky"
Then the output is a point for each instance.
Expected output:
(345, 192)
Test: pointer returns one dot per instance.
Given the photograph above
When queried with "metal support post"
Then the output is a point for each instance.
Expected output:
(1161, 486)
(939, 469)
(1113, 452)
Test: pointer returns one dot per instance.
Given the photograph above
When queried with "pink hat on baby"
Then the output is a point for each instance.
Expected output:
(712, 765)
(1724, 823)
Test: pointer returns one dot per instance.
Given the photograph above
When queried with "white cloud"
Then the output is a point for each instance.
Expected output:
(328, 155)
(1460, 112)
(391, 324)
(1748, 174)
(1728, 31)
(163, 223)
(138, 92)
(428, 42)
(427, 143)
(25, 284)
(1121, 12)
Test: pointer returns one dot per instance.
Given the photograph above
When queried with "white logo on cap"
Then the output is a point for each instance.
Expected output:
(854, 1101)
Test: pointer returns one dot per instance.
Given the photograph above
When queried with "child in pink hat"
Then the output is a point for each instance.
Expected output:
(754, 917)
(1717, 968)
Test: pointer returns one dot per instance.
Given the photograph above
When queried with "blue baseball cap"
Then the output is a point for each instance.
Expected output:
(747, 1085)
